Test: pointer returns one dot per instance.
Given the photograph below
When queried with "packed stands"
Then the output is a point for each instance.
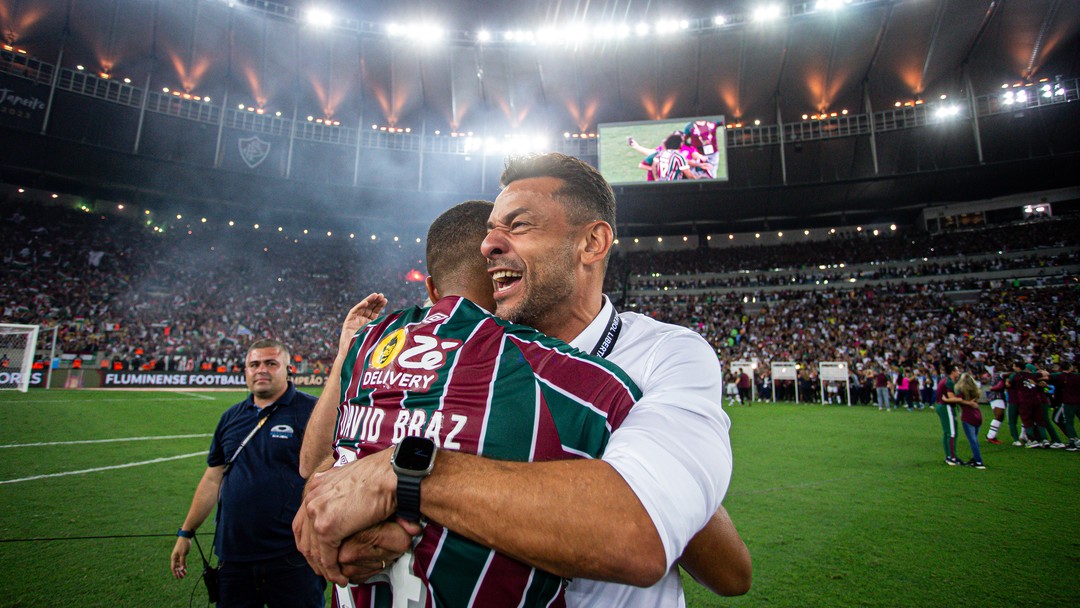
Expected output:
(129, 297)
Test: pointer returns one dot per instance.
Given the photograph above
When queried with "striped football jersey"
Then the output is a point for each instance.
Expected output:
(477, 384)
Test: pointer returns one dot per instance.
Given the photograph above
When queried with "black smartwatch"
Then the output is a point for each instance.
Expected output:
(412, 461)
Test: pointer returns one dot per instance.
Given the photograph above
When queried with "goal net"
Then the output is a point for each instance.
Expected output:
(17, 345)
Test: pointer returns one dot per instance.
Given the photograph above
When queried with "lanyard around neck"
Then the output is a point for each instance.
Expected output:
(258, 425)
(607, 341)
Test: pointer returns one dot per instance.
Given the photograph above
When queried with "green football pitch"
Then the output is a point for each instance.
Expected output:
(839, 506)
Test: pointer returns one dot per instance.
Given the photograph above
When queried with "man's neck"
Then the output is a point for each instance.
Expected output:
(573, 320)
(262, 402)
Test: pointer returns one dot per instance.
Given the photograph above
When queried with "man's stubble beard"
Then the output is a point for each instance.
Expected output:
(547, 288)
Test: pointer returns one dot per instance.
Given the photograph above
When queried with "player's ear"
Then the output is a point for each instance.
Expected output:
(598, 238)
(432, 291)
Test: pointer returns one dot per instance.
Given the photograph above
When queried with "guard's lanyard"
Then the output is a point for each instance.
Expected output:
(607, 341)
(258, 425)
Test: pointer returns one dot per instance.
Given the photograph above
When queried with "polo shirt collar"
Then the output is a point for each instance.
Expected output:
(286, 398)
(594, 331)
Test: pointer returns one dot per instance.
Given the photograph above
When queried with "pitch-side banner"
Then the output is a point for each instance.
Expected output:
(37, 378)
(171, 379)
(191, 380)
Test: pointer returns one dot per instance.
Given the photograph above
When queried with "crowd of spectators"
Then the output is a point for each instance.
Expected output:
(136, 298)
(845, 248)
(1045, 265)
(140, 299)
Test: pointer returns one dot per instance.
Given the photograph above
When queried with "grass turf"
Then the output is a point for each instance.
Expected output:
(839, 506)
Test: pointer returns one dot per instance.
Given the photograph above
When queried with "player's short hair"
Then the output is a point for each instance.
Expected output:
(673, 142)
(585, 193)
(1065, 365)
(270, 343)
(453, 241)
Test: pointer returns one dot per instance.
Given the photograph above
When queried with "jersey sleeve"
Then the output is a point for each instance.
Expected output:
(673, 448)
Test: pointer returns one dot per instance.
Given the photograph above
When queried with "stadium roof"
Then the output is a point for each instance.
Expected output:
(497, 67)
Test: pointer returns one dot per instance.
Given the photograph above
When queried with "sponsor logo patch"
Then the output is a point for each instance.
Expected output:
(387, 349)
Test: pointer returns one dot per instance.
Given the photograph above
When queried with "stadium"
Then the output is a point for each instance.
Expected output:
(893, 192)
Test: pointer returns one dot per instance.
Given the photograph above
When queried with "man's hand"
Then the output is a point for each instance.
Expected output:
(179, 557)
(340, 503)
(366, 311)
(370, 551)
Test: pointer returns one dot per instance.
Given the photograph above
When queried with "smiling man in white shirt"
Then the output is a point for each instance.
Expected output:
(626, 518)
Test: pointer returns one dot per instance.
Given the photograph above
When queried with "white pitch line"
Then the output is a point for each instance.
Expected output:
(118, 466)
(97, 400)
(196, 395)
(35, 445)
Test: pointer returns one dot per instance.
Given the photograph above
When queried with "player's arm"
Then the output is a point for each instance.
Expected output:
(317, 448)
(952, 399)
(640, 148)
(718, 558)
(202, 504)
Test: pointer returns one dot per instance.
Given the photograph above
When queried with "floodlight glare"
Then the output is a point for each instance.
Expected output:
(428, 33)
(483, 36)
(319, 17)
(719, 20)
(770, 12)
(642, 29)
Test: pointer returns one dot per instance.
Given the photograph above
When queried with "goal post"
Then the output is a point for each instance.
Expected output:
(17, 346)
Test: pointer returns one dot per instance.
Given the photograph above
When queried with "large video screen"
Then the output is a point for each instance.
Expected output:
(661, 151)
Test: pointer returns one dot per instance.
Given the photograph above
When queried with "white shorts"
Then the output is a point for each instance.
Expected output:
(998, 404)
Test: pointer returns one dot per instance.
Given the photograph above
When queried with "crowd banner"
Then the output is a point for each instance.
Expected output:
(832, 371)
(785, 370)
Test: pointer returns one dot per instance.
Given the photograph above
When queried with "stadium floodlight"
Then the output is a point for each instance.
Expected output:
(642, 29)
(428, 33)
(719, 20)
(666, 26)
(393, 30)
(17, 346)
(946, 112)
(483, 36)
(319, 17)
(770, 12)
(548, 35)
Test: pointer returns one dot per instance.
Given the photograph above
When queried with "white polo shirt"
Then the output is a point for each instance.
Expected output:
(673, 448)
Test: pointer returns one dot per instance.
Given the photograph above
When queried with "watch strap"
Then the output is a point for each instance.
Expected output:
(182, 533)
(408, 497)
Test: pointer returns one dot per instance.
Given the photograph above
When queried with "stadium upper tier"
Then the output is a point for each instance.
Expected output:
(853, 110)
(120, 291)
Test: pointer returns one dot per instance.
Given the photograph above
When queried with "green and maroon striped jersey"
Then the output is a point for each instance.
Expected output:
(474, 383)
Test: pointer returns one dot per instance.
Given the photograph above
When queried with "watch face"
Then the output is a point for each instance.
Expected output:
(414, 454)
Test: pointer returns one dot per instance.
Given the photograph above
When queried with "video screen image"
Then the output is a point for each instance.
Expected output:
(661, 151)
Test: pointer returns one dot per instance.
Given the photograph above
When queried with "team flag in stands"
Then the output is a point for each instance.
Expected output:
(415, 276)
